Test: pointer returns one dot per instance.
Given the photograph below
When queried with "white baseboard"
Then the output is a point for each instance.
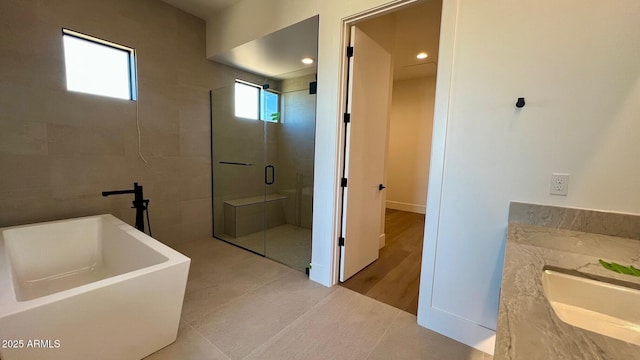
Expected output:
(415, 208)
(457, 328)
(382, 240)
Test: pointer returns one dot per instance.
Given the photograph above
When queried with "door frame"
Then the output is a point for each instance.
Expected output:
(429, 316)
(343, 93)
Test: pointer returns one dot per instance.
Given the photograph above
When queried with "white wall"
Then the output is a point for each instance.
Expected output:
(578, 65)
(410, 143)
(382, 30)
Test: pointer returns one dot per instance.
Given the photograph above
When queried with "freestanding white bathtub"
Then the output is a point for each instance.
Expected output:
(87, 288)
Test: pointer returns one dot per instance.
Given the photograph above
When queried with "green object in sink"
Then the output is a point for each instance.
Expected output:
(627, 270)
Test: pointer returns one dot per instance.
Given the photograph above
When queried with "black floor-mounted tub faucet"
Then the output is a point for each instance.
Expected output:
(139, 203)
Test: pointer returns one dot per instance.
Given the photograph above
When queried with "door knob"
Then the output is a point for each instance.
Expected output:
(381, 187)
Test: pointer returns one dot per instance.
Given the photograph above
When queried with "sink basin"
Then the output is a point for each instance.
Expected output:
(597, 306)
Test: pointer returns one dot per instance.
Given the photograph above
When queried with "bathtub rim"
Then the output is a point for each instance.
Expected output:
(8, 303)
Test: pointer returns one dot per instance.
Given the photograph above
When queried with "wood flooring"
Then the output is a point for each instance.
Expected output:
(394, 278)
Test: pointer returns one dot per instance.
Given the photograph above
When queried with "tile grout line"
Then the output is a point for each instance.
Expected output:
(230, 301)
(285, 273)
(207, 340)
(384, 333)
(244, 294)
(292, 323)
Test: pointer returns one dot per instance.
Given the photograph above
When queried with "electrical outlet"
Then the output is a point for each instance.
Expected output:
(559, 184)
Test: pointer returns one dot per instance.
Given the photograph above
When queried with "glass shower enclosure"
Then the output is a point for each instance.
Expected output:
(262, 162)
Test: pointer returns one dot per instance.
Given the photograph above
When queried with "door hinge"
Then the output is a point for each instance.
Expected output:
(347, 118)
(349, 51)
(343, 182)
(341, 241)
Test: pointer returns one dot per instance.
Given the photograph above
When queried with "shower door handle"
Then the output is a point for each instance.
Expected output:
(266, 175)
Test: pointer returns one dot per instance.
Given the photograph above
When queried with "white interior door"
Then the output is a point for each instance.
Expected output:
(366, 137)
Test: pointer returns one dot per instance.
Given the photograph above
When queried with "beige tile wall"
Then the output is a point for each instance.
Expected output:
(59, 150)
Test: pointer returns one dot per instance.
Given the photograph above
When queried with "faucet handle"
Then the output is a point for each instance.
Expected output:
(145, 204)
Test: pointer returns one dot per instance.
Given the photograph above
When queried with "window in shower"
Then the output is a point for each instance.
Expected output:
(254, 102)
(99, 67)
(270, 106)
(247, 99)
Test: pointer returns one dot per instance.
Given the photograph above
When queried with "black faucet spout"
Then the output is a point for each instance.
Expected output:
(117, 192)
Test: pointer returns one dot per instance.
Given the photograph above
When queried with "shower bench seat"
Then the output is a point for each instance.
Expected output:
(253, 214)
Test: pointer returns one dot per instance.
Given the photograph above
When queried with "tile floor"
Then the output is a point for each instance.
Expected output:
(287, 244)
(241, 306)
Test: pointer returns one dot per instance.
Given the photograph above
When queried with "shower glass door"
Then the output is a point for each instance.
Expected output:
(239, 165)
(290, 241)
(262, 163)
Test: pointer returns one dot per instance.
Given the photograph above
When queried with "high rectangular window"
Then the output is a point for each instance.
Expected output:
(98, 67)
(270, 109)
(254, 102)
(247, 99)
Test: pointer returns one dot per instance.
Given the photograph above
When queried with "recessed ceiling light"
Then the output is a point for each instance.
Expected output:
(422, 55)
(307, 61)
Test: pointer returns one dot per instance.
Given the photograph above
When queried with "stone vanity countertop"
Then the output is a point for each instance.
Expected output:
(528, 328)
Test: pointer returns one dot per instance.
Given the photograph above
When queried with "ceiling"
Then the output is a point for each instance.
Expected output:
(404, 33)
(277, 55)
(201, 8)
(407, 32)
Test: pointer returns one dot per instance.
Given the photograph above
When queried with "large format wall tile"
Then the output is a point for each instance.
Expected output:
(23, 138)
(85, 140)
(60, 149)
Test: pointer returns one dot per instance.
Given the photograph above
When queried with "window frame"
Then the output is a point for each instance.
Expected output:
(131, 56)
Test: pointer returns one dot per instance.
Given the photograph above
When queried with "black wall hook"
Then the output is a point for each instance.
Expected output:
(520, 103)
